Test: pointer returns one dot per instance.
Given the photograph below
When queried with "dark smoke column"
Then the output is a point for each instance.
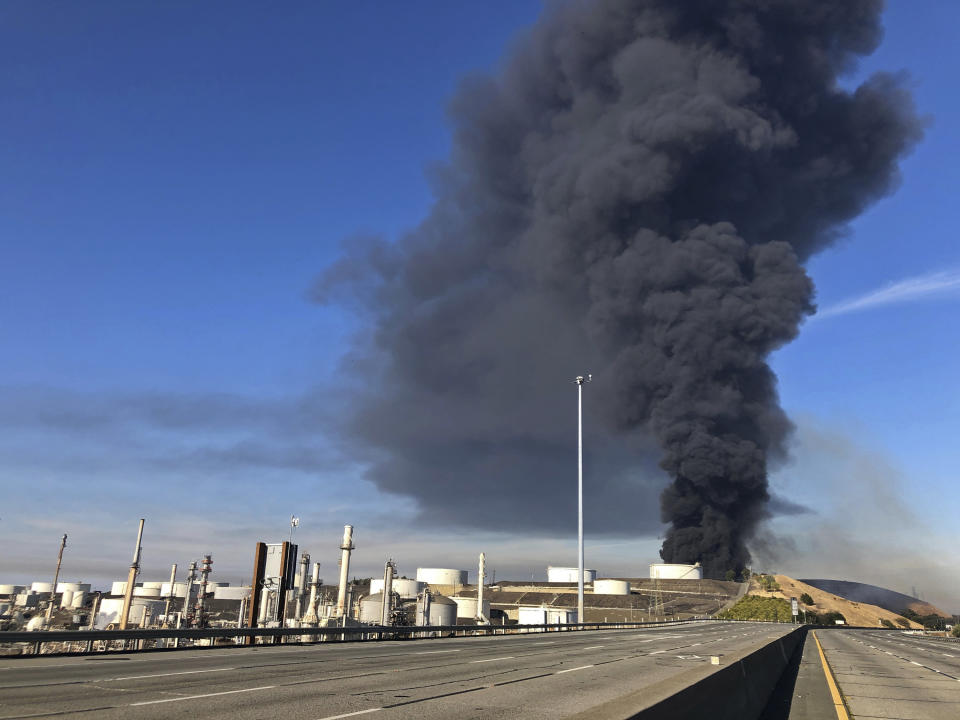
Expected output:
(636, 193)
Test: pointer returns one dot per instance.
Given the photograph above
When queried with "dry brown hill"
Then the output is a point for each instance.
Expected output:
(856, 613)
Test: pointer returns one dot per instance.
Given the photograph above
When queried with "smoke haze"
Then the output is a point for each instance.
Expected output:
(634, 194)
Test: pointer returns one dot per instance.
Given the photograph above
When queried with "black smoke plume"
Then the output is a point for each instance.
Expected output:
(633, 194)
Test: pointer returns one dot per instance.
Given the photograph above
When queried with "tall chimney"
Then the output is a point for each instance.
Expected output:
(346, 546)
(387, 604)
(302, 585)
(481, 576)
(131, 579)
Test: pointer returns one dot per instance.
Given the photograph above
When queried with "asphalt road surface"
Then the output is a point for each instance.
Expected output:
(884, 674)
(549, 675)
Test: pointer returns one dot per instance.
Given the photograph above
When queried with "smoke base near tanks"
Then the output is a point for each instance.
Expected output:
(633, 194)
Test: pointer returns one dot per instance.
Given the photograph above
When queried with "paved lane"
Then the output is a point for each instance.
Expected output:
(544, 676)
(890, 675)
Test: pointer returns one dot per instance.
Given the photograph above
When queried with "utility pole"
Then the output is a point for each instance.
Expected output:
(131, 579)
(580, 381)
(56, 576)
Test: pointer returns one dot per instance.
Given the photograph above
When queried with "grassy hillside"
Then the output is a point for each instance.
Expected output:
(754, 607)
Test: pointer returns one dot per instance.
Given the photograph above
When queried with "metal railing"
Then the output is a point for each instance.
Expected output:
(91, 641)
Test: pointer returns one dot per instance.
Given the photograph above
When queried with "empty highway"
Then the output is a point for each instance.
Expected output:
(891, 675)
(547, 675)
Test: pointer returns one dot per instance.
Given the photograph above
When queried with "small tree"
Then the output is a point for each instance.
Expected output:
(956, 630)
(887, 624)
(806, 599)
(731, 575)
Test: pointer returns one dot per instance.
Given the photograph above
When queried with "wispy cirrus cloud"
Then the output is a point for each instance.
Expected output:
(915, 288)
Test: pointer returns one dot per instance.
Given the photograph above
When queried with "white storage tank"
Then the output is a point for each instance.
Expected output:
(569, 574)
(231, 593)
(607, 586)
(146, 592)
(443, 611)
(155, 584)
(371, 608)
(405, 588)
(41, 587)
(442, 576)
(11, 589)
(676, 571)
(110, 609)
(119, 587)
(179, 589)
(66, 598)
(74, 586)
(467, 607)
(79, 600)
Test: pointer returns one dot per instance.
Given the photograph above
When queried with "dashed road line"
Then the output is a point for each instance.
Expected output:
(206, 695)
(582, 667)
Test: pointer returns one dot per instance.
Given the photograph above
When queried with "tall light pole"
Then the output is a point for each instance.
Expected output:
(579, 380)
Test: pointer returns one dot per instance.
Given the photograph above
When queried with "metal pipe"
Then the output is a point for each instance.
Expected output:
(131, 578)
(56, 576)
(346, 546)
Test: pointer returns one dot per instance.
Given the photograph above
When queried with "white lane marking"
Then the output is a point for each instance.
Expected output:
(182, 672)
(915, 663)
(549, 642)
(948, 655)
(346, 715)
(434, 652)
(582, 667)
(657, 652)
(594, 647)
(194, 697)
(508, 657)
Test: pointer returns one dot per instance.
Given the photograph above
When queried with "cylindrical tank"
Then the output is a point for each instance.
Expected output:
(371, 607)
(443, 611)
(676, 571)
(407, 589)
(467, 607)
(66, 598)
(155, 584)
(231, 593)
(41, 587)
(146, 592)
(569, 574)
(441, 576)
(611, 587)
(11, 589)
(179, 589)
(119, 587)
(75, 586)
(79, 598)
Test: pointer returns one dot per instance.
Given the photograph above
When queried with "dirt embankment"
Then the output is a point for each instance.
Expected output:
(856, 613)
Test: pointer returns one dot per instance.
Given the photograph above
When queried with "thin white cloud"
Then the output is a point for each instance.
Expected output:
(915, 288)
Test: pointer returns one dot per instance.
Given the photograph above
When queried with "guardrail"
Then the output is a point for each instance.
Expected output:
(130, 640)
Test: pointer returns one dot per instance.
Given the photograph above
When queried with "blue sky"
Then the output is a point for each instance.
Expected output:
(174, 177)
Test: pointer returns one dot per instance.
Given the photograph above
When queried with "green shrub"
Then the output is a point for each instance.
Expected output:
(956, 630)
(754, 607)
(806, 599)
(903, 622)
(887, 624)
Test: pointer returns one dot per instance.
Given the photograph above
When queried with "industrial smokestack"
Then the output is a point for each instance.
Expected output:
(345, 546)
(302, 585)
(131, 578)
(386, 606)
(636, 191)
(481, 577)
(311, 616)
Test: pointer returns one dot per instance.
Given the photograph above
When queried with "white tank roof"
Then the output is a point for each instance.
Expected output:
(676, 571)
